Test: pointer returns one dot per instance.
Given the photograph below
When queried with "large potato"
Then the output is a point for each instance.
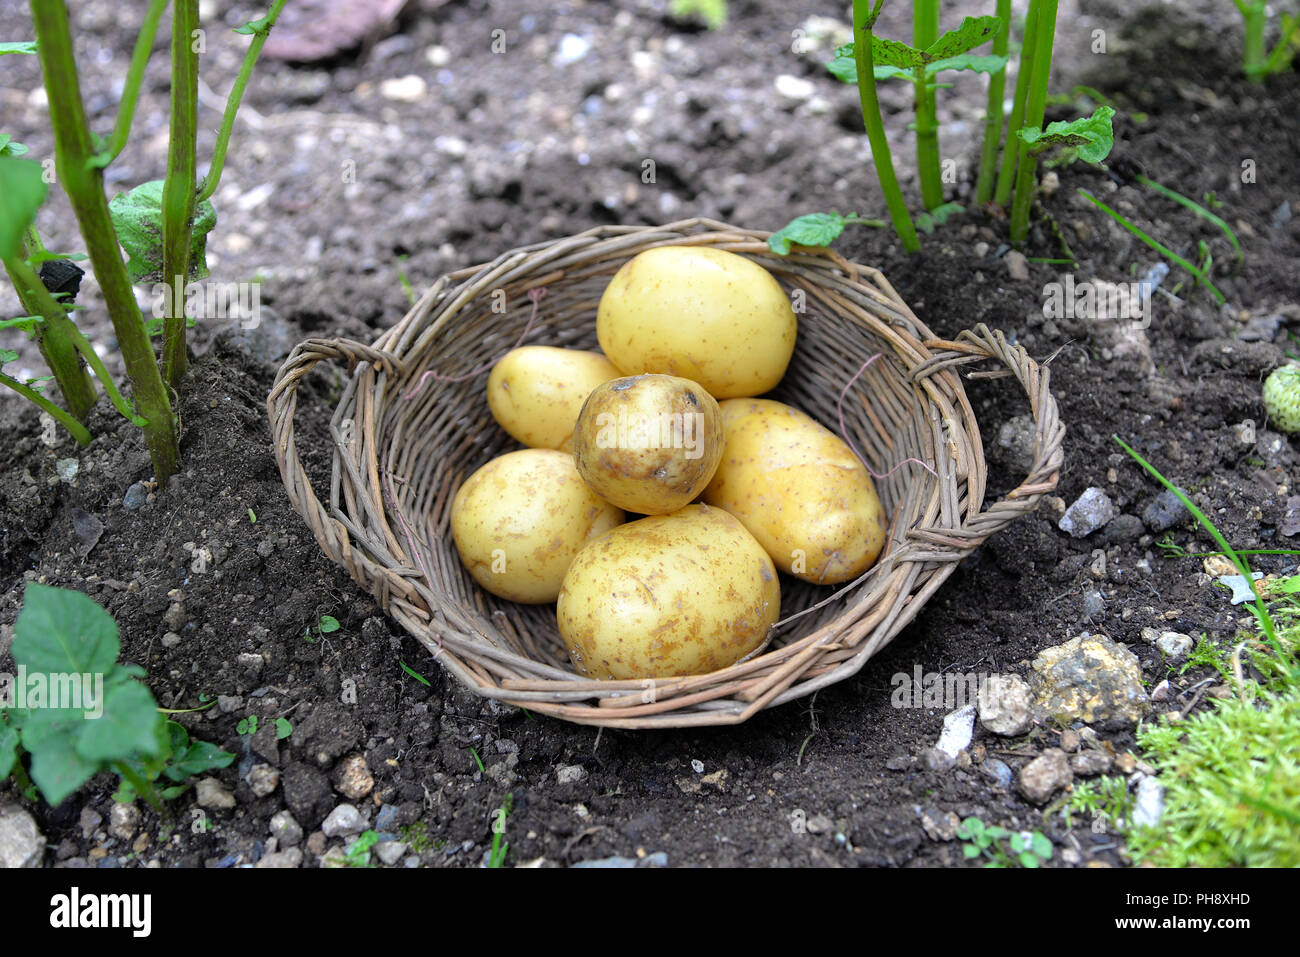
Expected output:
(680, 594)
(648, 443)
(700, 313)
(536, 392)
(521, 518)
(800, 491)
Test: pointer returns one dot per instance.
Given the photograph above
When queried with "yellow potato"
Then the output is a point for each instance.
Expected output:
(536, 392)
(680, 594)
(648, 443)
(520, 519)
(800, 491)
(700, 313)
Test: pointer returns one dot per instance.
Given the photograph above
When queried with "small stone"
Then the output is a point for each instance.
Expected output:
(957, 729)
(936, 760)
(343, 820)
(1087, 763)
(263, 779)
(1162, 692)
(716, 779)
(794, 87)
(390, 852)
(174, 617)
(697, 766)
(1149, 805)
(1242, 591)
(1123, 529)
(1094, 605)
(137, 494)
(285, 829)
(438, 56)
(1016, 436)
(21, 842)
(899, 762)
(250, 663)
(1070, 741)
(1089, 678)
(1049, 184)
(1004, 705)
(572, 49)
(996, 770)
(1091, 510)
(316, 843)
(1166, 511)
(229, 703)
(1017, 265)
(211, 793)
(819, 824)
(1174, 644)
(171, 639)
(281, 860)
(89, 822)
(1045, 775)
(570, 774)
(939, 825)
(67, 470)
(123, 819)
(1125, 763)
(404, 89)
(354, 780)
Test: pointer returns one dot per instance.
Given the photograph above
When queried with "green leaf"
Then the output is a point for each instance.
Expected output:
(1042, 846)
(415, 674)
(128, 726)
(970, 850)
(926, 222)
(814, 229)
(712, 12)
(137, 217)
(283, 728)
(328, 624)
(60, 631)
(7, 355)
(254, 26)
(894, 53)
(8, 749)
(845, 67)
(9, 147)
(968, 61)
(1028, 860)
(22, 190)
(1287, 586)
(198, 758)
(1093, 136)
(247, 725)
(973, 32)
(20, 46)
(58, 770)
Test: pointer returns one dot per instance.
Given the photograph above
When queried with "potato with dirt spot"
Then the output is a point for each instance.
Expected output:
(519, 521)
(700, 313)
(648, 443)
(536, 392)
(680, 594)
(800, 490)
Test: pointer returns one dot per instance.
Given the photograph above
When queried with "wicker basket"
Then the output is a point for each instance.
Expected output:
(404, 441)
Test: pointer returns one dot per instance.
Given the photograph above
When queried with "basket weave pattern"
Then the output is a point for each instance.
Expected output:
(404, 441)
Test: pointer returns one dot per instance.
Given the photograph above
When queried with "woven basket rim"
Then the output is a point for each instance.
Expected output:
(365, 525)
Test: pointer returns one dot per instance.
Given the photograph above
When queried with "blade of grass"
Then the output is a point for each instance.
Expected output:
(1198, 209)
(1156, 245)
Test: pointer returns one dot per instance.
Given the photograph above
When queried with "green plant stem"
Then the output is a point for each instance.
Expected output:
(213, 179)
(55, 337)
(1198, 209)
(143, 787)
(1256, 18)
(1158, 246)
(75, 428)
(135, 76)
(1007, 171)
(178, 196)
(1035, 106)
(84, 185)
(925, 30)
(993, 114)
(863, 22)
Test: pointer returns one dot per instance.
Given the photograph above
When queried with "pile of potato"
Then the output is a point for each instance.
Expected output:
(665, 425)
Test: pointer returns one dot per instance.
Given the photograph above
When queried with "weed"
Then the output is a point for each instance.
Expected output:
(1023, 848)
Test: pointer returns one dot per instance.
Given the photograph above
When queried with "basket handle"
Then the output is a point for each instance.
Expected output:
(975, 345)
(282, 403)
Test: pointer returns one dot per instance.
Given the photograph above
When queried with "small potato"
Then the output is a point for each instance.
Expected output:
(521, 518)
(648, 443)
(536, 392)
(702, 313)
(680, 594)
(800, 491)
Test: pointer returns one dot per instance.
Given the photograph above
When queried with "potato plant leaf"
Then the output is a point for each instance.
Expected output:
(968, 61)
(8, 749)
(10, 147)
(64, 632)
(973, 32)
(927, 222)
(22, 190)
(845, 68)
(1091, 136)
(18, 46)
(137, 217)
(814, 229)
